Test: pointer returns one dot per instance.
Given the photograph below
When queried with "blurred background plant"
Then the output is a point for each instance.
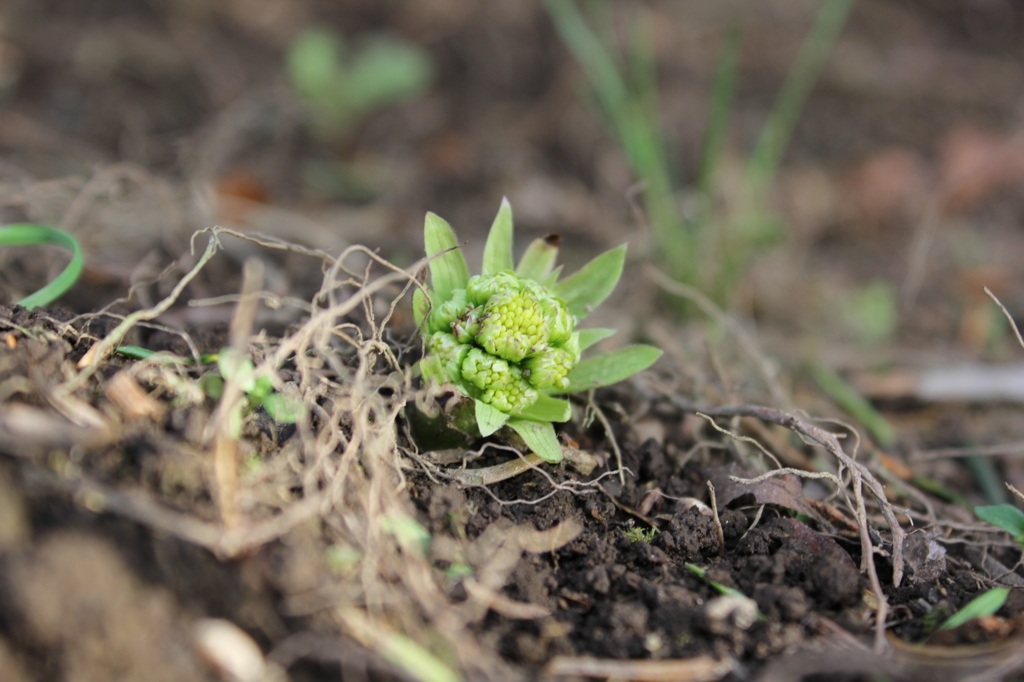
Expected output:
(702, 237)
(341, 84)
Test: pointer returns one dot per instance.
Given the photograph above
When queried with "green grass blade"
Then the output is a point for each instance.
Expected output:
(719, 116)
(814, 52)
(853, 403)
(415, 660)
(29, 234)
(448, 271)
(722, 589)
(634, 118)
(596, 62)
(987, 477)
(985, 604)
(498, 249)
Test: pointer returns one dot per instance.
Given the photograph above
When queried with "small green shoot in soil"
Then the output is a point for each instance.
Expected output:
(871, 312)
(417, 661)
(507, 338)
(640, 534)
(722, 589)
(343, 559)
(411, 536)
(341, 85)
(29, 234)
(139, 353)
(708, 247)
(1004, 516)
(985, 604)
(259, 390)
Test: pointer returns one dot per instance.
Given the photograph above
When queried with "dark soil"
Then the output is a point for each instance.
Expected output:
(122, 533)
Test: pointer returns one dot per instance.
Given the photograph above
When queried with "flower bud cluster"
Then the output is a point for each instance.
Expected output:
(505, 338)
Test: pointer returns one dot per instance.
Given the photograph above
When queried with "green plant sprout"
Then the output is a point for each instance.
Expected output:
(1004, 516)
(259, 390)
(702, 573)
(341, 86)
(507, 338)
(707, 247)
(139, 353)
(640, 534)
(29, 234)
(985, 604)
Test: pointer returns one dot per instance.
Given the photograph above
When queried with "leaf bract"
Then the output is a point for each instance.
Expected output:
(498, 249)
(611, 368)
(586, 289)
(448, 271)
(539, 437)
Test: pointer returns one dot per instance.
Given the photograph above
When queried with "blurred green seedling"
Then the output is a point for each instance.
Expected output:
(703, 241)
(341, 84)
(871, 312)
(1004, 516)
(640, 534)
(30, 234)
(985, 604)
(720, 588)
(259, 390)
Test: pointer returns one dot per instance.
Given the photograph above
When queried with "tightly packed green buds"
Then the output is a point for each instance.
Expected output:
(507, 338)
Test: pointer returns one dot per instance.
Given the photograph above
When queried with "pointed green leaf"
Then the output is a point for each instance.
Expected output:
(588, 337)
(552, 279)
(262, 388)
(498, 249)
(540, 437)
(585, 290)
(238, 367)
(418, 662)
(611, 368)
(986, 604)
(448, 271)
(420, 306)
(489, 419)
(539, 259)
(282, 408)
(548, 409)
(1004, 516)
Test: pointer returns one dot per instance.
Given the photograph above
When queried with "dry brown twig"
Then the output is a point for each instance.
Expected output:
(860, 476)
(718, 522)
(345, 459)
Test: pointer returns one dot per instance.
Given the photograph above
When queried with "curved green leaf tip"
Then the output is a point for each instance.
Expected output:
(30, 234)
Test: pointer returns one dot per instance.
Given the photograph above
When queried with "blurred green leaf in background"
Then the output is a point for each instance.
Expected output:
(341, 84)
